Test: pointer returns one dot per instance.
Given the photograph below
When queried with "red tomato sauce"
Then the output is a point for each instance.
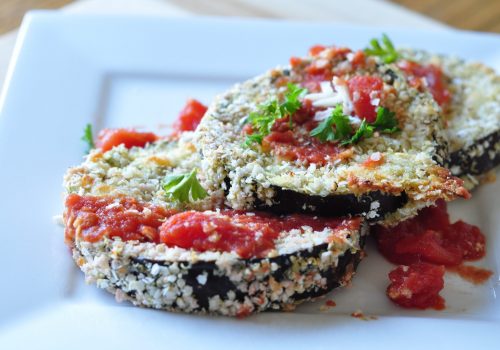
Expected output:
(362, 89)
(190, 117)
(434, 77)
(296, 143)
(417, 286)
(425, 245)
(310, 150)
(431, 237)
(109, 138)
(93, 218)
(248, 234)
(473, 274)
(319, 70)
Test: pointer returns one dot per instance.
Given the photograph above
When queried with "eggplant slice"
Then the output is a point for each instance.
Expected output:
(411, 176)
(154, 275)
(473, 117)
(176, 279)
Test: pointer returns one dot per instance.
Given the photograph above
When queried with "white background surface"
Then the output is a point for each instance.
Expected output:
(119, 71)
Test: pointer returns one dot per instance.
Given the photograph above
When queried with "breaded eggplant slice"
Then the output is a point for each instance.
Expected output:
(409, 177)
(473, 115)
(304, 264)
(137, 172)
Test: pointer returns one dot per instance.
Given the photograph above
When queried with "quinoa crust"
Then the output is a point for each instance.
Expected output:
(304, 264)
(473, 117)
(412, 157)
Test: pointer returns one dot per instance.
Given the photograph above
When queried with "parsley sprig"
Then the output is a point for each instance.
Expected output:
(263, 120)
(325, 132)
(337, 127)
(88, 138)
(184, 187)
(383, 49)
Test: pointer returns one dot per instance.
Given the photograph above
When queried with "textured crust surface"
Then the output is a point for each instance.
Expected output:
(137, 172)
(473, 116)
(303, 265)
(412, 157)
(175, 279)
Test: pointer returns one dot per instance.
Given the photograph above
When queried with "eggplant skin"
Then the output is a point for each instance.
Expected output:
(288, 201)
(477, 159)
(230, 287)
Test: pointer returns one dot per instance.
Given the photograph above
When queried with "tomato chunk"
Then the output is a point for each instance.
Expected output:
(109, 138)
(430, 237)
(434, 77)
(94, 218)
(316, 49)
(362, 89)
(190, 116)
(417, 286)
(247, 234)
(214, 232)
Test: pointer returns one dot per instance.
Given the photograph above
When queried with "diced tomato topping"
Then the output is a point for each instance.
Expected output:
(360, 89)
(427, 243)
(470, 240)
(245, 235)
(295, 61)
(249, 235)
(316, 49)
(94, 218)
(359, 59)
(310, 150)
(430, 237)
(190, 116)
(434, 77)
(109, 138)
(417, 286)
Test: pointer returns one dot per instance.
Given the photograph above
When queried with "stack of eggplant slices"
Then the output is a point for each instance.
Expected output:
(265, 198)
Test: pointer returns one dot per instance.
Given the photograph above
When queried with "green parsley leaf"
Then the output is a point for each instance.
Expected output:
(365, 130)
(184, 187)
(292, 102)
(263, 120)
(324, 131)
(88, 138)
(386, 120)
(385, 50)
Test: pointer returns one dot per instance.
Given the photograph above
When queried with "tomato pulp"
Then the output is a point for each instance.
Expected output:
(249, 235)
(434, 77)
(190, 116)
(94, 218)
(109, 138)
(424, 245)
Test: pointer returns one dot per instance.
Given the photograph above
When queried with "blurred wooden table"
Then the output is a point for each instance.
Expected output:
(482, 15)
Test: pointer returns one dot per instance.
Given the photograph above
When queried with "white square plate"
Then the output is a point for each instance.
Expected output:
(68, 70)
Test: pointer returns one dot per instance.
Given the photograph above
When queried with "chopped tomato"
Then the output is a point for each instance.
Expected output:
(362, 90)
(359, 59)
(430, 237)
(214, 232)
(247, 234)
(316, 49)
(434, 77)
(109, 138)
(190, 116)
(295, 61)
(94, 218)
(310, 150)
(417, 286)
